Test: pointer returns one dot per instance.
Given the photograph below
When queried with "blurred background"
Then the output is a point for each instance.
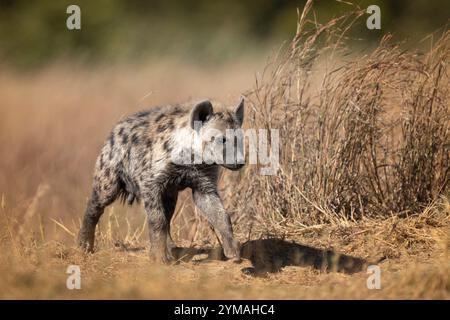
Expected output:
(205, 32)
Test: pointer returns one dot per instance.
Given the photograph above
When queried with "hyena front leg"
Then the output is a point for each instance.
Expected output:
(212, 208)
(169, 202)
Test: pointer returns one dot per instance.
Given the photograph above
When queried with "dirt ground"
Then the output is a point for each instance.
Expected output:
(327, 263)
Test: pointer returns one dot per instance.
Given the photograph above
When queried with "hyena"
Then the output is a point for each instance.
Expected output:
(136, 163)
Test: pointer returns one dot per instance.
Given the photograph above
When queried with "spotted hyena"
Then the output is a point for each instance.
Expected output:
(137, 163)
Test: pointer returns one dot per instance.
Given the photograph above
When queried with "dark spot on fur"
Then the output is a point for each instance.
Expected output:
(124, 138)
(102, 163)
(121, 131)
(167, 146)
(111, 140)
(107, 172)
(159, 117)
(170, 124)
(142, 114)
(134, 139)
(148, 144)
(161, 127)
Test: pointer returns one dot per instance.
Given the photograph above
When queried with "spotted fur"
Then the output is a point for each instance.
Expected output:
(135, 164)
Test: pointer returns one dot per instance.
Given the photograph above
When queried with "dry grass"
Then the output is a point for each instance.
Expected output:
(414, 253)
(369, 138)
(363, 177)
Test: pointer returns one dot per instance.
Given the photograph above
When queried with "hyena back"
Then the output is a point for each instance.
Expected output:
(136, 163)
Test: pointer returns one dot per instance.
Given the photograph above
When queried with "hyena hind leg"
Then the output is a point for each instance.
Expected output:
(94, 210)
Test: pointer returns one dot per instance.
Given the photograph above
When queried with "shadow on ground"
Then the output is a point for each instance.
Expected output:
(270, 255)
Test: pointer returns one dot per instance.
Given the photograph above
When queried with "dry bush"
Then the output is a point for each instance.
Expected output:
(370, 138)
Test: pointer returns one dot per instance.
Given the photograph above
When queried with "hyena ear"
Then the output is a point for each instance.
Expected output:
(201, 112)
(239, 112)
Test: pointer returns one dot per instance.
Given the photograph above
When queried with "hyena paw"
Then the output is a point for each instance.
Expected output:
(85, 244)
(233, 252)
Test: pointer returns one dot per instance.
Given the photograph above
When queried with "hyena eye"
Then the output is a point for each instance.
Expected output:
(220, 140)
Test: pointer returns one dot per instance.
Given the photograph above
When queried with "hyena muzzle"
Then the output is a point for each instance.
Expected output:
(137, 163)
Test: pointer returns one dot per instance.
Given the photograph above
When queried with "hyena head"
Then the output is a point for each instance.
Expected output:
(216, 135)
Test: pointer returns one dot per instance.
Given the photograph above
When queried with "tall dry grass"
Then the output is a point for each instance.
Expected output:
(370, 137)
